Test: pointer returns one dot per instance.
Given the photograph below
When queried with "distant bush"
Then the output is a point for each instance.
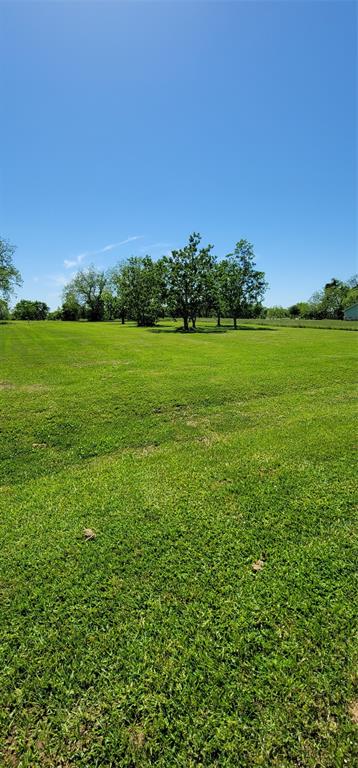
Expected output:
(55, 315)
(301, 309)
(30, 310)
(277, 311)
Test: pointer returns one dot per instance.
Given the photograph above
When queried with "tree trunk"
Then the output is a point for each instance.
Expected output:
(122, 318)
(193, 320)
(235, 323)
(218, 320)
(186, 325)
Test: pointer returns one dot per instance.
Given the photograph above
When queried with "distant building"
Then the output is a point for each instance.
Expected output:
(351, 313)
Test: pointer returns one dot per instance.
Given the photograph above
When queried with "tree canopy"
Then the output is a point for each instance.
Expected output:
(87, 288)
(139, 287)
(188, 279)
(9, 276)
(242, 285)
(331, 301)
(30, 310)
(186, 283)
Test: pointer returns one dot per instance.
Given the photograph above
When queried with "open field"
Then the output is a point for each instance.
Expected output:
(343, 325)
(191, 457)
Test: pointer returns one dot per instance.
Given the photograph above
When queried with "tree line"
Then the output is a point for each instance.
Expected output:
(327, 303)
(188, 283)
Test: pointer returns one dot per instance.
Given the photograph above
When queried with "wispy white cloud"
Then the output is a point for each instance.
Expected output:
(111, 246)
(68, 263)
(107, 248)
(77, 260)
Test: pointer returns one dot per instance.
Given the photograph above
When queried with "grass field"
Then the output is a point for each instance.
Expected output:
(343, 325)
(191, 457)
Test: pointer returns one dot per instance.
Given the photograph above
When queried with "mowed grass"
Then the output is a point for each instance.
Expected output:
(343, 325)
(191, 457)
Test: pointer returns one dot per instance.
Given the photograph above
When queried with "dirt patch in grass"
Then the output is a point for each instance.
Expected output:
(93, 363)
(198, 421)
(209, 439)
(136, 737)
(145, 450)
(353, 711)
(10, 757)
(24, 387)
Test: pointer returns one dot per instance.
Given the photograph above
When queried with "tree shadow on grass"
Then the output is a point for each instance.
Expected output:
(214, 329)
(249, 328)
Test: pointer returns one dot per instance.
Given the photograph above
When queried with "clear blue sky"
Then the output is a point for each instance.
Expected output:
(149, 120)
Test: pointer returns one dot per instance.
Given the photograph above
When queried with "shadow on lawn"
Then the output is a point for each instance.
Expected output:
(215, 329)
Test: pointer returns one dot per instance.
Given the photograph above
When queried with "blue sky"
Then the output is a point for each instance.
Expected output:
(127, 125)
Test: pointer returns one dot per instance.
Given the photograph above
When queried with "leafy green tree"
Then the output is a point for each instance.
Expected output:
(189, 280)
(330, 301)
(351, 296)
(30, 310)
(9, 275)
(4, 310)
(294, 310)
(217, 300)
(117, 286)
(71, 308)
(277, 311)
(300, 309)
(55, 314)
(242, 284)
(140, 288)
(87, 287)
(111, 304)
(255, 310)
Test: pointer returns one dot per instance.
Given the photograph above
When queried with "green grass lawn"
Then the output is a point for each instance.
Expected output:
(191, 457)
(344, 325)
